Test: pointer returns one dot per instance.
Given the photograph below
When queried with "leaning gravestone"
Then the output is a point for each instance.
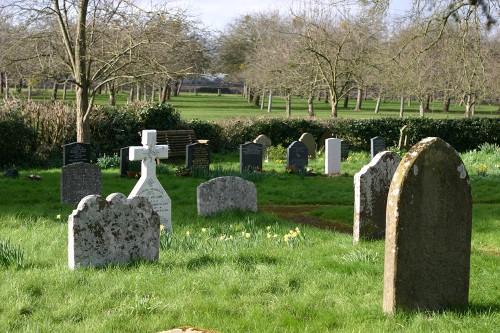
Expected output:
(296, 155)
(310, 142)
(344, 149)
(404, 138)
(79, 180)
(76, 152)
(124, 161)
(223, 193)
(377, 144)
(266, 143)
(148, 185)
(198, 156)
(250, 157)
(115, 230)
(371, 186)
(428, 231)
(332, 156)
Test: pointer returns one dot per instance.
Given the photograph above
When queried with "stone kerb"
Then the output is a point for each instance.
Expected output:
(371, 186)
(115, 230)
(428, 231)
(224, 193)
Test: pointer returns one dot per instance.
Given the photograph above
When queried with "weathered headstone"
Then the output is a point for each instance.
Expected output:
(310, 142)
(79, 180)
(266, 143)
(250, 157)
(332, 156)
(323, 138)
(344, 149)
(76, 152)
(377, 144)
(296, 155)
(223, 193)
(124, 161)
(428, 230)
(115, 230)
(371, 185)
(148, 185)
(404, 138)
(198, 156)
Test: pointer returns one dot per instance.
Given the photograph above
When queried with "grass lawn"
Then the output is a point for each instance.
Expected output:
(234, 272)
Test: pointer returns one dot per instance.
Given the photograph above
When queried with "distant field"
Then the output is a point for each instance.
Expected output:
(212, 107)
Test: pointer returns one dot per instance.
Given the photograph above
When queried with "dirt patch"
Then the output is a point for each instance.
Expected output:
(299, 214)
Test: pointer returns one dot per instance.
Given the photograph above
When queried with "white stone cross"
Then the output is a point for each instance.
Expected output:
(148, 185)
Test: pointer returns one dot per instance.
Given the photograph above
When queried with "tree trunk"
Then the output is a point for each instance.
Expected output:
(176, 89)
(6, 90)
(377, 106)
(310, 106)
(53, 96)
(409, 101)
(359, 100)
(327, 99)
(346, 101)
(138, 92)
(446, 103)
(131, 95)
(469, 105)
(30, 90)
(263, 100)
(288, 99)
(65, 90)
(179, 86)
(422, 108)
(112, 94)
(427, 103)
(2, 82)
(82, 114)
(19, 87)
(145, 96)
(334, 102)
(152, 93)
(402, 107)
(270, 101)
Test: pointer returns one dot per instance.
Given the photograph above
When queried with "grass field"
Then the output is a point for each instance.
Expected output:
(234, 272)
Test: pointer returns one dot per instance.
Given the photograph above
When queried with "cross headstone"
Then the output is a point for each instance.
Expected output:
(332, 156)
(296, 155)
(266, 143)
(79, 180)
(428, 231)
(371, 185)
(148, 185)
(250, 157)
(377, 144)
(76, 152)
(310, 142)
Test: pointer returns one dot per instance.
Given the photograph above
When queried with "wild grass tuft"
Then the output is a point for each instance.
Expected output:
(11, 255)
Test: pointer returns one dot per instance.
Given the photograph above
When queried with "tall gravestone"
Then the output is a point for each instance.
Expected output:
(198, 156)
(124, 161)
(344, 149)
(115, 230)
(310, 142)
(250, 157)
(76, 152)
(296, 155)
(266, 143)
(428, 230)
(79, 180)
(148, 185)
(332, 156)
(404, 138)
(377, 144)
(371, 186)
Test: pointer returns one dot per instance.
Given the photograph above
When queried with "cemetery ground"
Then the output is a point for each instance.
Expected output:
(235, 271)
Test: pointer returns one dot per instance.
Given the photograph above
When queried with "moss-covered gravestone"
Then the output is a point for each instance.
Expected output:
(428, 231)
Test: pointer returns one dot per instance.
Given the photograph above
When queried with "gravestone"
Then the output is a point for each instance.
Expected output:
(323, 138)
(223, 193)
(344, 149)
(148, 185)
(76, 152)
(404, 138)
(124, 161)
(198, 156)
(332, 156)
(428, 231)
(377, 144)
(79, 180)
(296, 155)
(250, 157)
(266, 143)
(371, 186)
(115, 230)
(310, 142)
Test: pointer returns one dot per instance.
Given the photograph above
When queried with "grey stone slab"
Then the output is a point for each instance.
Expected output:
(76, 152)
(377, 144)
(297, 155)
(266, 143)
(251, 157)
(79, 180)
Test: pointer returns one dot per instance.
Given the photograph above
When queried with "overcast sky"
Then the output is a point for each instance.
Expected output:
(217, 13)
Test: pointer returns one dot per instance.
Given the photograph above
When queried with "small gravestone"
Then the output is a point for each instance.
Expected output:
(223, 193)
(371, 185)
(76, 152)
(344, 149)
(266, 143)
(112, 231)
(332, 156)
(404, 138)
(310, 142)
(377, 144)
(428, 231)
(148, 185)
(79, 180)
(198, 156)
(250, 157)
(297, 155)
(323, 138)
(124, 161)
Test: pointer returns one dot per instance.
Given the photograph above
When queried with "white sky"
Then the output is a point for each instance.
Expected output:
(217, 13)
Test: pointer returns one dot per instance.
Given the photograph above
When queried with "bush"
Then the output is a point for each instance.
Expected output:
(159, 117)
(16, 143)
(207, 131)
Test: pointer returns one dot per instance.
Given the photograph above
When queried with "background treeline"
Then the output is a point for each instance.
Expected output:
(32, 136)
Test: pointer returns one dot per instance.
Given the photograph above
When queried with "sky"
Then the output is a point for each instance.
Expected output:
(217, 13)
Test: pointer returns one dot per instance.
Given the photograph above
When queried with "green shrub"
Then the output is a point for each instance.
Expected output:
(16, 142)
(277, 153)
(159, 116)
(108, 161)
(206, 131)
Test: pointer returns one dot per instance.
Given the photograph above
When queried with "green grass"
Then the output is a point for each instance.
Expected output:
(230, 273)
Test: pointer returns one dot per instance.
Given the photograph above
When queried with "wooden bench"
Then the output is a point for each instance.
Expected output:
(176, 141)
